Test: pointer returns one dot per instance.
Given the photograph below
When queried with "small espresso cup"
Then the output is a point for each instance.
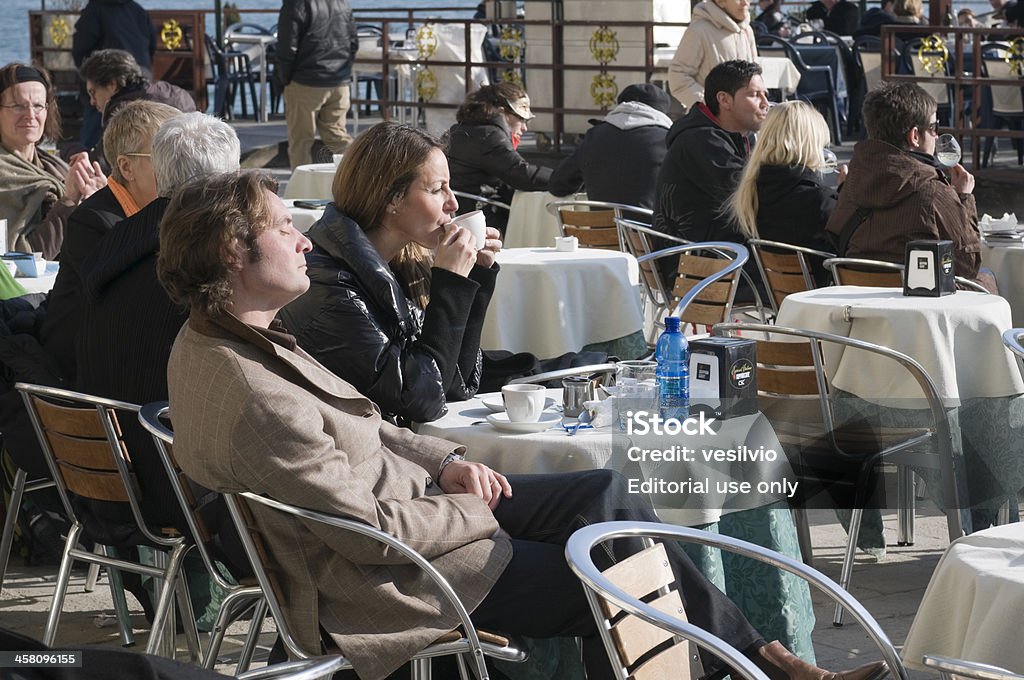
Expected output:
(523, 403)
(476, 224)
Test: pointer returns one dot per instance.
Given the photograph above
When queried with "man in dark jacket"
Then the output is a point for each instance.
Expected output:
(897, 192)
(619, 158)
(838, 16)
(316, 45)
(707, 149)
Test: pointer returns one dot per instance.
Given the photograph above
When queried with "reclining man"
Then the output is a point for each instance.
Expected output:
(252, 412)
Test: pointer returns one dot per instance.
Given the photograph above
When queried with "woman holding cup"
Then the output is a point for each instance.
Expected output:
(398, 292)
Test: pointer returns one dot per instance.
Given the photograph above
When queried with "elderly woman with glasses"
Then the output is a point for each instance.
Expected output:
(38, 191)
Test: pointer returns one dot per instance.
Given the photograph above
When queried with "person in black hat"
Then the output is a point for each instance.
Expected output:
(619, 158)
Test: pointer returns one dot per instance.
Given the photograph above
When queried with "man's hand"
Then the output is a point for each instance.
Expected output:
(464, 477)
(961, 180)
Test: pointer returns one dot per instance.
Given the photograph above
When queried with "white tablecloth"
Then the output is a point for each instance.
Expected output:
(956, 338)
(554, 451)
(302, 218)
(530, 225)
(311, 181)
(550, 303)
(40, 284)
(972, 607)
(778, 73)
(1007, 263)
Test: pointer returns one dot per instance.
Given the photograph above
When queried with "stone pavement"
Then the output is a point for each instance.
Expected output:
(891, 590)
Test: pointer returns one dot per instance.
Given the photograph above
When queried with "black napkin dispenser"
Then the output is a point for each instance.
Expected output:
(723, 377)
(929, 269)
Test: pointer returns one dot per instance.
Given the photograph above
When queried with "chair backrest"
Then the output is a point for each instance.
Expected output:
(784, 268)
(153, 417)
(869, 49)
(852, 271)
(593, 222)
(951, 669)
(600, 588)
(705, 286)
(647, 574)
(82, 441)
(638, 240)
(1006, 99)
(1012, 341)
(913, 63)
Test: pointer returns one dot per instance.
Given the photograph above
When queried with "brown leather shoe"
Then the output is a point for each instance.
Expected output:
(798, 669)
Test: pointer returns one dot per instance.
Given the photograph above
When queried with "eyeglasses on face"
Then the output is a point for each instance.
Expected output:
(22, 109)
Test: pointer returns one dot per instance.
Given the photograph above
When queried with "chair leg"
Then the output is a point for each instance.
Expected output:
(164, 609)
(225, 615)
(188, 618)
(905, 505)
(63, 575)
(803, 535)
(420, 669)
(846, 574)
(124, 621)
(7, 540)
(245, 656)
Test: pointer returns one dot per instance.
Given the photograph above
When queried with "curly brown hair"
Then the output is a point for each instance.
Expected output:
(9, 78)
(204, 223)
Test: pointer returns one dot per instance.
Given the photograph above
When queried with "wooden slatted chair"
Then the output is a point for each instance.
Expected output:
(82, 441)
(593, 222)
(784, 268)
(466, 641)
(240, 598)
(607, 592)
(841, 458)
(851, 271)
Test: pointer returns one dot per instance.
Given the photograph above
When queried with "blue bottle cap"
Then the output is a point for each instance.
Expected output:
(671, 323)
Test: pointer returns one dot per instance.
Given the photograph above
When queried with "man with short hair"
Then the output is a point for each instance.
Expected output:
(619, 159)
(707, 149)
(316, 45)
(897, 192)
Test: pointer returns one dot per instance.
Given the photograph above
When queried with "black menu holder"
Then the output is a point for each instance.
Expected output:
(929, 269)
(723, 377)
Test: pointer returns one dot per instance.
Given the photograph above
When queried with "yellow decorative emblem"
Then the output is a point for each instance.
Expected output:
(426, 42)
(171, 34)
(59, 32)
(604, 89)
(1015, 57)
(512, 76)
(510, 43)
(933, 54)
(426, 84)
(604, 45)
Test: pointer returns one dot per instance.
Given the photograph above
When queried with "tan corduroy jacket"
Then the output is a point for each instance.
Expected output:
(252, 414)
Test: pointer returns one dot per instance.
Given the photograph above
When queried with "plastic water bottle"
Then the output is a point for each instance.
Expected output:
(673, 372)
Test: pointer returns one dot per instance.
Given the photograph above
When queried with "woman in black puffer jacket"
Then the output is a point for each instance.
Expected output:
(482, 149)
(397, 297)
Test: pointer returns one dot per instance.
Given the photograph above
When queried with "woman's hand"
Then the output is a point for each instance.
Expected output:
(84, 178)
(485, 256)
(961, 180)
(464, 477)
(456, 251)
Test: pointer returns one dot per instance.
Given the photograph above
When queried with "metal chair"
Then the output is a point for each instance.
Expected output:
(854, 271)
(784, 268)
(305, 669)
(1012, 341)
(20, 486)
(704, 287)
(82, 443)
(593, 222)
(239, 598)
(606, 593)
(951, 669)
(835, 456)
(482, 200)
(1003, 104)
(231, 69)
(466, 641)
(817, 83)
(604, 374)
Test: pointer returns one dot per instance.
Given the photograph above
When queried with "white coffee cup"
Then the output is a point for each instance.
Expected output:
(476, 224)
(523, 403)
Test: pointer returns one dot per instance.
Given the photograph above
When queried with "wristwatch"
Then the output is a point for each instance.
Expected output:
(450, 458)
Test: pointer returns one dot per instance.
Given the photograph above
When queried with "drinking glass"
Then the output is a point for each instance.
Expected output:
(636, 389)
(947, 151)
(829, 160)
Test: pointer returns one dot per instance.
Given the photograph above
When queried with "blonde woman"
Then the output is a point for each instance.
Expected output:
(781, 195)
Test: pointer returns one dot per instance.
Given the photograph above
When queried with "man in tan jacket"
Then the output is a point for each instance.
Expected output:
(253, 412)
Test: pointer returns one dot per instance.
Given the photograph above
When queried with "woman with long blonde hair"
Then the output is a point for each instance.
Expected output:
(781, 195)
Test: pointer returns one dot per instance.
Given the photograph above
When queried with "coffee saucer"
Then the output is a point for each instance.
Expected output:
(501, 422)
